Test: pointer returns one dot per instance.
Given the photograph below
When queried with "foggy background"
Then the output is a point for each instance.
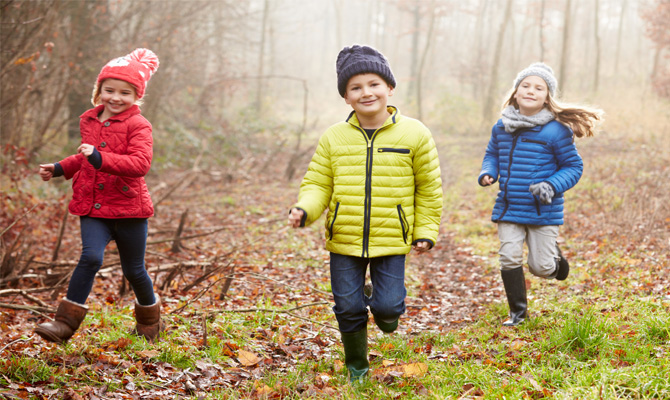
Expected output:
(238, 76)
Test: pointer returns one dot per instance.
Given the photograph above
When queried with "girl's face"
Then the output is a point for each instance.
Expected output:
(531, 95)
(117, 96)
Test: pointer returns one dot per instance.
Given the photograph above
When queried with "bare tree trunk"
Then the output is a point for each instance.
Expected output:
(412, 90)
(381, 29)
(429, 39)
(566, 40)
(261, 58)
(656, 62)
(85, 22)
(337, 5)
(479, 49)
(493, 82)
(619, 33)
(596, 25)
(542, 7)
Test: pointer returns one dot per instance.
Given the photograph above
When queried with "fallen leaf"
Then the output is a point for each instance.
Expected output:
(517, 344)
(247, 358)
(149, 353)
(338, 365)
(408, 370)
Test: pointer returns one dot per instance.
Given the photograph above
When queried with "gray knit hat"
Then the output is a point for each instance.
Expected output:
(356, 60)
(543, 71)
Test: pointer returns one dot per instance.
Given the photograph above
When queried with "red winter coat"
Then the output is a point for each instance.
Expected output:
(117, 189)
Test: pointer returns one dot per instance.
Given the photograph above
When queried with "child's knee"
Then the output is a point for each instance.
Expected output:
(387, 313)
(510, 260)
(545, 269)
(90, 261)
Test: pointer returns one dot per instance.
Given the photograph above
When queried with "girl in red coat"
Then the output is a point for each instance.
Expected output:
(109, 193)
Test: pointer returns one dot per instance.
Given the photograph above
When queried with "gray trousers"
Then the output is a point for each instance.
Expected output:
(542, 250)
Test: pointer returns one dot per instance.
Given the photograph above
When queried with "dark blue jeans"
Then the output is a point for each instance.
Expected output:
(347, 280)
(130, 235)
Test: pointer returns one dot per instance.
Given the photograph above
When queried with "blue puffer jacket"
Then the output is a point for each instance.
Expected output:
(541, 154)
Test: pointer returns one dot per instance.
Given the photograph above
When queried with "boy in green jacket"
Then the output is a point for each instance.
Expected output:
(378, 174)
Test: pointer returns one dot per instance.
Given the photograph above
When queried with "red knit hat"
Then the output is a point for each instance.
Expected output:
(135, 68)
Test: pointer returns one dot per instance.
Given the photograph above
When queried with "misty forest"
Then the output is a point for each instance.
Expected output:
(244, 91)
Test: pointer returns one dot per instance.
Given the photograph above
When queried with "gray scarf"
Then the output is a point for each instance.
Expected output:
(514, 120)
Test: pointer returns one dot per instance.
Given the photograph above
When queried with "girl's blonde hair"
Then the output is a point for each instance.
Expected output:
(97, 92)
(583, 120)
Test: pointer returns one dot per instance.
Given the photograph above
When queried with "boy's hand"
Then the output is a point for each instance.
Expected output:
(85, 149)
(47, 171)
(294, 217)
(486, 180)
(421, 247)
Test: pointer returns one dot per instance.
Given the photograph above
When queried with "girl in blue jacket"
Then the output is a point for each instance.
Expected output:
(532, 156)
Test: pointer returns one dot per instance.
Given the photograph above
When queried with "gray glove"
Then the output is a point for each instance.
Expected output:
(544, 191)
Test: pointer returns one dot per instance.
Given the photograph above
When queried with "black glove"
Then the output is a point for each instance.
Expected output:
(544, 191)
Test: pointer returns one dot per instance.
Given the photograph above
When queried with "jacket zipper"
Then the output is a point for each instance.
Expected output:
(332, 223)
(367, 203)
(392, 150)
(368, 198)
(528, 140)
(509, 173)
(403, 222)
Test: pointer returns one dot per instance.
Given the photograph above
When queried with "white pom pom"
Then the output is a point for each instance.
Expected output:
(146, 57)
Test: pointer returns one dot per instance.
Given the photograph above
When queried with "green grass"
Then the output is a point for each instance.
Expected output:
(596, 345)
(599, 335)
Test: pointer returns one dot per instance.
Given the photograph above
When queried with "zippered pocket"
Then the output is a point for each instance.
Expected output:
(528, 140)
(392, 150)
(332, 223)
(404, 225)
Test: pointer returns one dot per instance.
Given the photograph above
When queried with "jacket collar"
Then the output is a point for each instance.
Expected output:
(94, 112)
(536, 128)
(392, 119)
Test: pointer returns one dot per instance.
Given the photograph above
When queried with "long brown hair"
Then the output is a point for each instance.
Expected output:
(583, 120)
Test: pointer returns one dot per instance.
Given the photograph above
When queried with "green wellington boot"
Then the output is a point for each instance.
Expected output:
(356, 354)
(387, 327)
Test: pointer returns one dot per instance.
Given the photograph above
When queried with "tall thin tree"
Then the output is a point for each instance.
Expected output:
(261, 57)
(414, 59)
(493, 79)
(424, 55)
(596, 25)
(542, 7)
(622, 14)
(566, 42)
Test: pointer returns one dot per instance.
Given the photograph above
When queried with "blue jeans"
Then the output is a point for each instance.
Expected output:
(347, 280)
(130, 235)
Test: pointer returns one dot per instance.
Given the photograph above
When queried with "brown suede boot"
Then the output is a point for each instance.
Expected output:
(68, 318)
(148, 320)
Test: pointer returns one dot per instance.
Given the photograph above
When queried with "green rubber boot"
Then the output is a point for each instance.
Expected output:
(356, 354)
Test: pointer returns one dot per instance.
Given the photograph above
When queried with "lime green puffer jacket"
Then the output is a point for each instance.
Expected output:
(383, 194)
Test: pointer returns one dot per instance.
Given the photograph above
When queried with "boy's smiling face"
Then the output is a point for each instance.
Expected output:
(368, 95)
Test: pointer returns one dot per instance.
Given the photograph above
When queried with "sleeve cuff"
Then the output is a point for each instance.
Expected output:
(303, 220)
(479, 180)
(95, 159)
(424, 240)
(58, 170)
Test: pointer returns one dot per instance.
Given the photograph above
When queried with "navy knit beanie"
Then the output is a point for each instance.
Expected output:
(358, 59)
